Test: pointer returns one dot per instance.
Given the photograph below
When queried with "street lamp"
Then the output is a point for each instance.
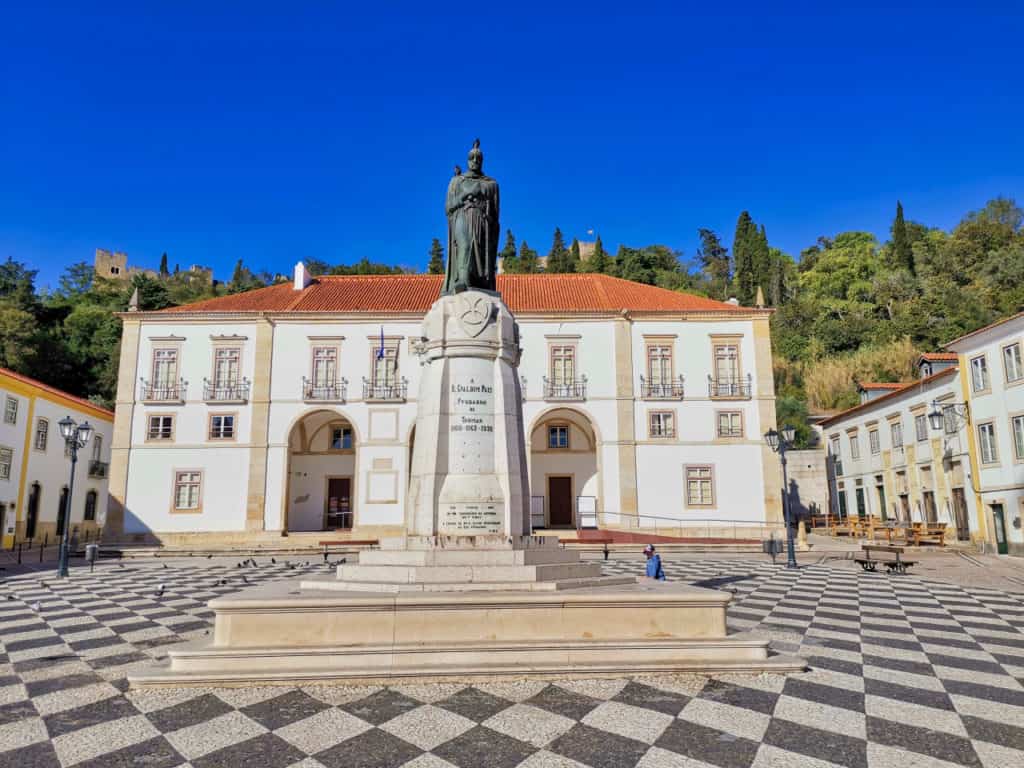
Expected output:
(75, 436)
(937, 415)
(780, 443)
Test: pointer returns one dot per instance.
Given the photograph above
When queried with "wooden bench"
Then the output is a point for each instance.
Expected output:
(897, 565)
(929, 533)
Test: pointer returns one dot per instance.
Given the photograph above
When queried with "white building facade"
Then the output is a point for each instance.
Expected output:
(291, 409)
(35, 469)
(888, 460)
(993, 388)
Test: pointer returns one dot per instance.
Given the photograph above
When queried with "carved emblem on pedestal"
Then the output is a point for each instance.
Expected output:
(474, 313)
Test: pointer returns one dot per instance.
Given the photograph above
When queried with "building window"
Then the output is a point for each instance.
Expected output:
(979, 374)
(873, 442)
(659, 366)
(949, 420)
(897, 435)
(1018, 437)
(187, 488)
(987, 443)
(6, 459)
(727, 363)
(854, 446)
(341, 438)
(90, 506)
(835, 447)
(42, 434)
(662, 424)
(11, 410)
(222, 426)
(226, 367)
(730, 424)
(558, 436)
(841, 497)
(563, 365)
(97, 447)
(325, 366)
(165, 369)
(160, 428)
(700, 486)
(921, 427)
(385, 367)
(1012, 363)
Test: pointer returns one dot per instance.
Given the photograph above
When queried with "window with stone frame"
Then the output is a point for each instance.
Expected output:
(222, 426)
(11, 410)
(835, 448)
(558, 436)
(921, 427)
(42, 436)
(226, 367)
(385, 366)
(949, 420)
(325, 366)
(1012, 366)
(659, 367)
(700, 486)
(341, 438)
(873, 442)
(730, 424)
(97, 447)
(661, 424)
(1017, 425)
(165, 368)
(188, 486)
(987, 443)
(896, 431)
(160, 427)
(6, 460)
(90, 505)
(979, 374)
(854, 446)
(563, 364)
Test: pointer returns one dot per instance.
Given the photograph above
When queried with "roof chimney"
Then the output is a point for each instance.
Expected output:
(302, 278)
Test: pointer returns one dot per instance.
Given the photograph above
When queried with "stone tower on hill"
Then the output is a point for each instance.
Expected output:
(114, 266)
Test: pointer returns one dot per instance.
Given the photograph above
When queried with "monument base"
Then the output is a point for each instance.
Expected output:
(278, 635)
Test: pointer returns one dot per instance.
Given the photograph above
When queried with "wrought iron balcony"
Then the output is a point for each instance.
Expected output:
(738, 387)
(232, 392)
(565, 390)
(385, 391)
(163, 392)
(98, 468)
(333, 391)
(662, 390)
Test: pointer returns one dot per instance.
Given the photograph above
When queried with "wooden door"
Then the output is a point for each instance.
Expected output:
(930, 514)
(560, 501)
(861, 506)
(339, 503)
(904, 508)
(32, 513)
(963, 528)
(999, 521)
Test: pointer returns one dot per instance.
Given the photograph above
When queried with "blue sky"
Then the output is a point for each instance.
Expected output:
(219, 131)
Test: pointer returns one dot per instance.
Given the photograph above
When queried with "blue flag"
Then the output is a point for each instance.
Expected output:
(380, 352)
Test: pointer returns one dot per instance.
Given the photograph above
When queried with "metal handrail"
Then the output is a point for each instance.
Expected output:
(740, 529)
(165, 393)
(392, 391)
(233, 391)
(98, 468)
(335, 390)
(730, 386)
(573, 390)
(662, 390)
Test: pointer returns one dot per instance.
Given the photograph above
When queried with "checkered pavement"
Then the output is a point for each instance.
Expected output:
(904, 672)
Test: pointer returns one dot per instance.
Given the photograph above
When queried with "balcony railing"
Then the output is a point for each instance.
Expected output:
(565, 390)
(232, 392)
(334, 391)
(730, 386)
(385, 391)
(662, 390)
(163, 392)
(98, 468)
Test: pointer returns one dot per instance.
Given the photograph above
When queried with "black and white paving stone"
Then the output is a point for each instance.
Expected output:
(904, 672)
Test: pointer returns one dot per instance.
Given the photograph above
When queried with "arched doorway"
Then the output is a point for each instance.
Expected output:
(564, 476)
(321, 493)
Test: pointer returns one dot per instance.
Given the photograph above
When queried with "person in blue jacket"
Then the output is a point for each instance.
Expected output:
(654, 569)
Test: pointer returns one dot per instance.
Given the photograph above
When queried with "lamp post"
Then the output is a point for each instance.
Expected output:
(75, 436)
(780, 443)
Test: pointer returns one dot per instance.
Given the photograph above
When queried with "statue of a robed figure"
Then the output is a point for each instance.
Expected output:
(472, 209)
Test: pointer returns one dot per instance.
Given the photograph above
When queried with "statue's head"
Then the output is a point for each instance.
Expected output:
(476, 157)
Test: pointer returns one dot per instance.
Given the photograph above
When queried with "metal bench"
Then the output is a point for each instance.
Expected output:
(897, 565)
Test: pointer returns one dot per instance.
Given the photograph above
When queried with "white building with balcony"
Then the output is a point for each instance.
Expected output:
(292, 409)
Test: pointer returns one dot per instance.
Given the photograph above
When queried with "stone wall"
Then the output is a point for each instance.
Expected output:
(808, 481)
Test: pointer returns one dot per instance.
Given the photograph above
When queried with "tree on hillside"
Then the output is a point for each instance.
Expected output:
(76, 280)
(558, 256)
(599, 261)
(573, 261)
(163, 266)
(901, 250)
(242, 279)
(17, 285)
(507, 255)
(744, 246)
(152, 293)
(528, 261)
(714, 261)
(635, 264)
(436, 264)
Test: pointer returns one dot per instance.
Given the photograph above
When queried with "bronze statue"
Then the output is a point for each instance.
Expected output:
(472, 209)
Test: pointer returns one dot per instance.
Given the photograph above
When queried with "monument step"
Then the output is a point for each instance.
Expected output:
(336, 585)
(469, 557)
(468, 574)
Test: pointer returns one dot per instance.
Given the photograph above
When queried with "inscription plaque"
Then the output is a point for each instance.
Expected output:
(471, 517)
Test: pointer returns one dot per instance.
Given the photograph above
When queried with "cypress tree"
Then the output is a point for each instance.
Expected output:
(744, 244)
(573, 261)
(715, 264)
(902, 253)
(528, 262)
(558, 258)
(436, 265)
(507, 255)
(600, 261)
(163, 266)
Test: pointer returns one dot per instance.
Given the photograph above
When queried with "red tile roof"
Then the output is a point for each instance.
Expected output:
(899, 390)
(416, 293)
(87, 405)
(883, 385)
(939, 356)
(996, 324)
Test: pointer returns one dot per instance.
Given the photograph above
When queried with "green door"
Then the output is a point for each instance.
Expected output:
(1000, 525)
(861, 507)
(881, 503)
